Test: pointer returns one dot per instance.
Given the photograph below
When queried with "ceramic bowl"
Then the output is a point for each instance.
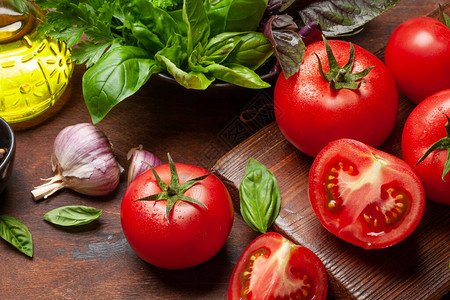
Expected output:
(7, 142)
(165, 86)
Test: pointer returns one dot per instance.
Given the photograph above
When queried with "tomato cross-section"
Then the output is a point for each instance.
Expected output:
(365, 196)
(272, 267)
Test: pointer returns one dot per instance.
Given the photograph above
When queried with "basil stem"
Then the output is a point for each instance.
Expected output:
(73, 215)
(17, 234)
(259, 196)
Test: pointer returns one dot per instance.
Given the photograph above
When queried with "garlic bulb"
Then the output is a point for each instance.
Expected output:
(139, 162)
(83, 161)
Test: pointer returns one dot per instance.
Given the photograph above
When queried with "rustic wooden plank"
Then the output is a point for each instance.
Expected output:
(416, 268)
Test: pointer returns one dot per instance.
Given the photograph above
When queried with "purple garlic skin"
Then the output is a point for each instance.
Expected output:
(83, 161)
(140, 159)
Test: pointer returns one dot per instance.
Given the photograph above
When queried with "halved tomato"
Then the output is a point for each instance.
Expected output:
(365, 196)
(273, 267)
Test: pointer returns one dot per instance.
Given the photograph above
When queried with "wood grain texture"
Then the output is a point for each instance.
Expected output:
(196, 128)
(416, 268)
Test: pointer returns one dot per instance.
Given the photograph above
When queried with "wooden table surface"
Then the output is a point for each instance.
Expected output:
(95, 261)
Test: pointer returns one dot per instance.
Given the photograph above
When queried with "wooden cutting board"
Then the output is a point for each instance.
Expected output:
(416, 268)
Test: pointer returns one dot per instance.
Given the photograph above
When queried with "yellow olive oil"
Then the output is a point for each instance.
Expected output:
(34, 70)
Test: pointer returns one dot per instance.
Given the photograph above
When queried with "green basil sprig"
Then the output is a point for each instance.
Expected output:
(73, 215)
(17, 234)
(260, 196)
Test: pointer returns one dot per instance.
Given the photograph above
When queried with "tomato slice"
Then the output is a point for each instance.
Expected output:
(365, 196)
(272, 267)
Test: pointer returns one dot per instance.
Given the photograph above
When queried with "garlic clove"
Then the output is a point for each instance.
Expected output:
(83, 161)
(139, 160)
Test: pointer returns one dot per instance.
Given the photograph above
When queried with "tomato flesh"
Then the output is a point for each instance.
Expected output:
(272, 267)
(364, 196)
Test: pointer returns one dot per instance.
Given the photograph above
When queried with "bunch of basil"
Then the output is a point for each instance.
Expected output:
(195, 41)
(131, 40)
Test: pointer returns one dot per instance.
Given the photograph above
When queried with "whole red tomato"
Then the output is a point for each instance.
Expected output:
(365, 196)
(272, 267)
(425, 126)
(191, 232)
(418, 55)
(311, 110)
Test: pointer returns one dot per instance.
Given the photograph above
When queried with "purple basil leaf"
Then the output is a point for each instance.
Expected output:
(276, 6)
(340, 17)
(283, 22)
(288, 45)
(311, 33)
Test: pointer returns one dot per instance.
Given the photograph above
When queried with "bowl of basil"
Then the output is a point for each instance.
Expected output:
(196, 43)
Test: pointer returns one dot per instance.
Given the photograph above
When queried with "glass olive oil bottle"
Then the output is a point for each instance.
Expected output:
(34, 70)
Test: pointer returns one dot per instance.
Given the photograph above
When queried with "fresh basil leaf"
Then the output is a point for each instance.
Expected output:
(259, 196)
(176, 50)
(288, 45)
(17, 234)
(237, 75)
(146, 38)
(116, 76)
(177, 16)
(149, 22)
(190, 80)
(196, 60)
(197, 23)
(253, 50)
(245, 15)
(221, 45)
(338, 17)
(73, 215)
(217, 14)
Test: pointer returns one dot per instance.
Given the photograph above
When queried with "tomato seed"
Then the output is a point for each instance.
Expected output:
(388, 220)
(367, 218)
(332, 204)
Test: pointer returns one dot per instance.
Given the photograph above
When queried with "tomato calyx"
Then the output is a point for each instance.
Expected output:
(442, 144)
(342, 78)
(174, 191)
(444, 17)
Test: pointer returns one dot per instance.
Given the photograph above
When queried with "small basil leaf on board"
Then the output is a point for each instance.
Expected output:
(338, 17)
(259, 196)
(17, 234)
(72, 215)
(117, 75)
